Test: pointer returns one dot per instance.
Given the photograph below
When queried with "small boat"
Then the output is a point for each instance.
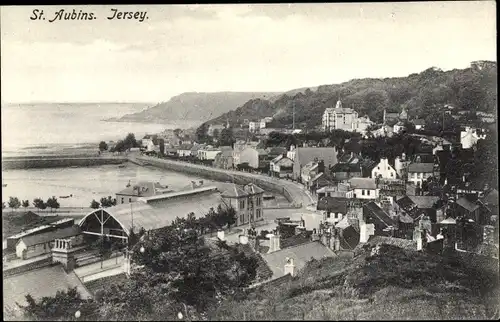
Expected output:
(122, 166)
(64, 197)
(74, 166)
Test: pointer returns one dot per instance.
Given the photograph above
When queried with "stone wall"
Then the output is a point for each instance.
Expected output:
(28, 267)
(219, 175)
(28, 163)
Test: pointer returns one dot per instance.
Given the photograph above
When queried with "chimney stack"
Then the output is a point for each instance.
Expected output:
(289, 267)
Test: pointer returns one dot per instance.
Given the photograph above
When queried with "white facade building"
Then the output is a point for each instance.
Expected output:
(470, 136)
(384, 169)
(252, 126)
(340, 118)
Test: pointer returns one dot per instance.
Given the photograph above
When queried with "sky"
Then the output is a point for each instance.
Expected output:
(209, 48)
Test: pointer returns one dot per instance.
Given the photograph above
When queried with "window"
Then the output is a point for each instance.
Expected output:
(362, 192)
(368, 192)
(129, 199)
(328, 215)
(122, 200)
(392, 174)
(242, 217)
(242, 204)
(258, 213)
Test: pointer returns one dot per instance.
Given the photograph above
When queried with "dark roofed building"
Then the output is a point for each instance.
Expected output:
(142, 189)
(345, 171)
(423, 158)
(418, 206)
(247, 201)
(473, 210)
(333, 205)
(349, 238)
(398, 242)
(373, 214)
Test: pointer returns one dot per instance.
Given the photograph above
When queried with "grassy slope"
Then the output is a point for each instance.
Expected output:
(393, 285)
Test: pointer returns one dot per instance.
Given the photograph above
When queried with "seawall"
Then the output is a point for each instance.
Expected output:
(57, 162)
(266, 183)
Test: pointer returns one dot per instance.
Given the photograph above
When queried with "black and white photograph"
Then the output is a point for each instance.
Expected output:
(242, 162)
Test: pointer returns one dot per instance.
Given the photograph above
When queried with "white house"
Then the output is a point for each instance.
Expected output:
(268, 119)
(184, 150)
(262, 124)
(362, 188)
(252, 126)
(147, 140)
(418, 172)
(362, 124)
(384, 170)
(252, 156)
(399, 127)
(419, 124)
(208, 153)
(152, 147)
(470, 136)
(401, 165)
(339, 118)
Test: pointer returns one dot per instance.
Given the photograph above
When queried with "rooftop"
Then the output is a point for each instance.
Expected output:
(421, 167)
(300, 254)
(333, 204)
(465, 203)
(141, 189)
(363, 183)
(306, 155)
(49, 236)
(242, 191)
(379, 214)
(39, 283)
(151, 213)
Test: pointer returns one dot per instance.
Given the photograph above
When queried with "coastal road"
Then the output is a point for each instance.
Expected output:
(296, 190)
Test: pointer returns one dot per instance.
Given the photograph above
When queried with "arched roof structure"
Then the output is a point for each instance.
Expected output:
(150, 213)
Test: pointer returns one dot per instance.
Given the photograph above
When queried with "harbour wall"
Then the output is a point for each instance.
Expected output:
(58, 162)
(241, 178)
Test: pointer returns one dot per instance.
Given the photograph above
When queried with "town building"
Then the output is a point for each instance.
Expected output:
(247, 201)
(419, 124)
(42, 243)
(399, 127)
(390, 118)
(238, 147)
(224, 159)
(150, 213)
(362, 124)
(383, 224)
(281, 166)
(418, 172)
(184, 150)
(363, 188)
(310, 170)
(254, 157)
(208, 153)
(291, 153)
(149, 140)
(333, 209)
(345, 171)
(383, 170)
(253, 126)
(140, 190)
(469, 136)
(401, 166)
(305, 155)
(339, 118)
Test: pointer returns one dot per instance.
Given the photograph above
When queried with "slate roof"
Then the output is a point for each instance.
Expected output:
(363, 183)
(277, 158)
(423, 157)
(421, 167)
(491, 197)
(345, 167)
(300, 254)
(468, 205)
(391, 115)
(306, 155)
(398, 242)
(333, 204)
(241, 191)
(350, 238)
(276, 151)
(379, 214)
(424, 202)
(49, 236)
(40, 282)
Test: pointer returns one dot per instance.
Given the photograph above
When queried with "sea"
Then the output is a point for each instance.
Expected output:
(44, 129)
(39, 128)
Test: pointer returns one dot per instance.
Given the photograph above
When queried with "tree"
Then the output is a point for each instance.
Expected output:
(94, 204)
(103, 146)
(178, 132)
(26, 204)
(108, 202)
(39, 203)
(226, 137)
(130, 141)
(202, 133)
(14, 203)
(52, 203)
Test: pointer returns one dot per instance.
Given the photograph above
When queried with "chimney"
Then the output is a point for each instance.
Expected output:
(417, 236)
(193, 184)
(274, 243)
(289, 267)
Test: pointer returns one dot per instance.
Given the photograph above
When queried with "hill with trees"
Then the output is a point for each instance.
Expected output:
(194, 106)
(470, 89)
